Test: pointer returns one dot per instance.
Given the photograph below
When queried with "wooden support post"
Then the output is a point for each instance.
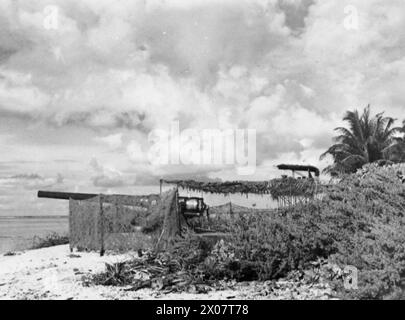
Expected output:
(70, 225)
(161, 182)
(101, 226)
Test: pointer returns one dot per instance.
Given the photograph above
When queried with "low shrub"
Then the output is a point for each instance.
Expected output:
(269, 247)
(262, 246)
(50, 240)
(116, 274)
(9, 254)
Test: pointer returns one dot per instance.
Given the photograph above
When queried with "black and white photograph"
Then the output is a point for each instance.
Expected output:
(195, 150)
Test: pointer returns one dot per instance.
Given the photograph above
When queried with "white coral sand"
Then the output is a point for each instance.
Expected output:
(55, 273)
(52, 273)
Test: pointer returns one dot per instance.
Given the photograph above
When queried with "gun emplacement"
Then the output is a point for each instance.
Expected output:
(65, 195)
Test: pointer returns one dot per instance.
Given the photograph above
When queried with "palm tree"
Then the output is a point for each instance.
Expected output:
(397, 148)
(367, 139)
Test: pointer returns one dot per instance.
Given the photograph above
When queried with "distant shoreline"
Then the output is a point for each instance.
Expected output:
(35, 217)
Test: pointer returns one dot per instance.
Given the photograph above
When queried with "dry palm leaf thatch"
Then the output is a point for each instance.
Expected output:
(291, 187)
(276, 187)
(160, 271)
(227, 187)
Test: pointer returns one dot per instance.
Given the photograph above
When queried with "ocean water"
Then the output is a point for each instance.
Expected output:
(17, 233)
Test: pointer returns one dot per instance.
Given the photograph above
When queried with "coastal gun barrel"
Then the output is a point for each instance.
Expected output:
(65, 195)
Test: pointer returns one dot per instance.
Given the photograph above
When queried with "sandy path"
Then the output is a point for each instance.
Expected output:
(53, 273)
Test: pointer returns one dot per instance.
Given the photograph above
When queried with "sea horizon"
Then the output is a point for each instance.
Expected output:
(35, 216)
(17, 233)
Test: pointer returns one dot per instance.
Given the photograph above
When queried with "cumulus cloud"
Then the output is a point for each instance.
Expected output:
(113, 71)
(135, 152)
(106, 176)
(114, 141)
(19, 95)
(31, 181)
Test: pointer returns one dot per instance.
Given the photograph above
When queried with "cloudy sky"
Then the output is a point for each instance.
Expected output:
(83, 83)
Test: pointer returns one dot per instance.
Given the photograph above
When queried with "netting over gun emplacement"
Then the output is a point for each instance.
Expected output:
(118, 222)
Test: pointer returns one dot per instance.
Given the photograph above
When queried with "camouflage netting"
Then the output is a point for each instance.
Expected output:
(230, 210)
(84, 225)
(122, 223)
(286, 191)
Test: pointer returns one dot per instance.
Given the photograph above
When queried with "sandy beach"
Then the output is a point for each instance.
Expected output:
(55, 273)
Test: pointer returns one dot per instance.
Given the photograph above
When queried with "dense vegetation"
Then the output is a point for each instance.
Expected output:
(371, 204)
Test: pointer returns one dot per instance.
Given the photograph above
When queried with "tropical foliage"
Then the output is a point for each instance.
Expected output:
(367, 139)
(397, 149)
